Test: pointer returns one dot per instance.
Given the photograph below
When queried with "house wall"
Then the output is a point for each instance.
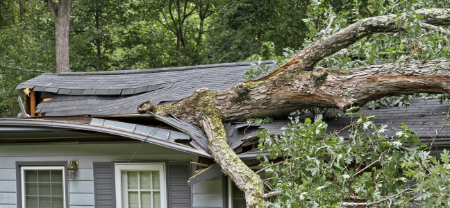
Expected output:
(208, 194)
(81, 189)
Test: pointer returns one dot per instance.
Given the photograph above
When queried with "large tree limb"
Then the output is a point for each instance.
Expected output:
(309, 56)
(279, 97)
(294, 86)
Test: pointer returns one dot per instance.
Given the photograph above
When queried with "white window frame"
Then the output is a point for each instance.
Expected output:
(24, 168)
(119, 167)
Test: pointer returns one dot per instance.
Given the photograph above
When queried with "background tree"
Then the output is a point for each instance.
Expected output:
(61, 17)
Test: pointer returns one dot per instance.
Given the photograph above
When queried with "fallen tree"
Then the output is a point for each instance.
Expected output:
(299, 84)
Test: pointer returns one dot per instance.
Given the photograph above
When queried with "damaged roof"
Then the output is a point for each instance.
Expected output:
(120, 92)
(157, 136)
(112, 93)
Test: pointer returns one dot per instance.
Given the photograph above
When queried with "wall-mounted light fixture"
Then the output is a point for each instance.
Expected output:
(72, 169)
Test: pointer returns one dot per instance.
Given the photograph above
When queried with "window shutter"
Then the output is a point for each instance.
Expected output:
(104, 187)
(179, 192)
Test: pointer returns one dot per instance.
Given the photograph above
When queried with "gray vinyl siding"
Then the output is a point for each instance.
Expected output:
(104, 185)
(179, 192)
(208, 193)
(81, 189)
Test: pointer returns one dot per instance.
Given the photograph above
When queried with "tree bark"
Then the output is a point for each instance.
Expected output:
(297, 85)
(61, 16)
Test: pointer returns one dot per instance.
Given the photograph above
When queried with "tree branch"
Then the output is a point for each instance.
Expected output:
(372, 203)
(52, 8)
(370, 165)
(309, 56)
(272, 194)
(298, 90)
(437, 132)
(435, 28)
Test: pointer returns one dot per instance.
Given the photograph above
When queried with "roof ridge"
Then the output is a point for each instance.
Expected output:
(156, 70)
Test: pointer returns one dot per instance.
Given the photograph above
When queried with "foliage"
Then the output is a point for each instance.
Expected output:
(320, 169)
(262, 69)
(432, 176)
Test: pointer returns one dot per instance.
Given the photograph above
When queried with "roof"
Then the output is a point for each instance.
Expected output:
(120, 92)
(425, 117)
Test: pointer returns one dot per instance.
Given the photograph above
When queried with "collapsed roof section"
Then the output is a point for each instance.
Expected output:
(16, 129)
(120, 92)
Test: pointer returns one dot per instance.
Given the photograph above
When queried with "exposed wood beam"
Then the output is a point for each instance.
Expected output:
(32, 103)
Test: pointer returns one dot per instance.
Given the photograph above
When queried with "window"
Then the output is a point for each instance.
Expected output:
(140, 185)
(43, 187)
(236, 198)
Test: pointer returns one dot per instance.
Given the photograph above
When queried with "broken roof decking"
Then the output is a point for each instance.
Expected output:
(122, 130)
(120, 92)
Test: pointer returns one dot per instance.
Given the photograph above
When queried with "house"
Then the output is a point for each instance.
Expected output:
(85, 144)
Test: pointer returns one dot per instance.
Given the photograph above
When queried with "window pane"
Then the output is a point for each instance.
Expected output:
(156, 200)
(57, 189)
(32, 201)
(146, 199)
(238, 197)
(155, 180)
(145, 179)
(57, 202)
(31, 188)
(31, 176)
(45, 202)
(133, 200)
(44, 189)
(44, 176)
(132, 180)
(56, 176)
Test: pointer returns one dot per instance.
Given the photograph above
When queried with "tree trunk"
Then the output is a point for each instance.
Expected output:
(61, 16)
(98, 41)
(297, 85)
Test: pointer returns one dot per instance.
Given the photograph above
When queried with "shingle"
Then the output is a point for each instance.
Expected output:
(51, 89)
(101, 92)
(128, 91)
(77, 92)
(64, 91)
(38, 88)
(153, 87)
(80, 102)
(140, 89)
(54, 104)
(89, 92)
(114, 91)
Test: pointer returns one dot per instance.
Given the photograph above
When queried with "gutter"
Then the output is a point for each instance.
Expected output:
(106, 130)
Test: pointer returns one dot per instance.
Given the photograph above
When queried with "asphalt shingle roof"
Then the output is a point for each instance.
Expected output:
(425, 117)
(120, 92)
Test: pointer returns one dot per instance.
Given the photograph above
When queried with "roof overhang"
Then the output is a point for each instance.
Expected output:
(35, 124)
